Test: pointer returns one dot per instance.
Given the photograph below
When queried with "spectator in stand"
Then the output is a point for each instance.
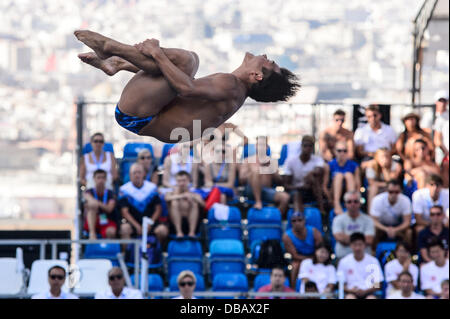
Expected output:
(444, 287)
(406, 287)
(353, 221)
(139, 198)
(333, 134)
(221, 173)
(343, 171)
(277, 280)
(56, 279)
(405, 142)
(433, 273)
(98, 159)
(186, 281)
(259, 175)
(379, 171)
(442, 114)
(318, 270)
(425, 198)
(362, 272)
(391, 214)
(394, 268)
(178, 161)
(421, 165)
(436, 229)
(374, 135)
(145, 158)
(305, 176)
(117, 289)
(441, 134)
(99, 208)
(300, 241)
(184, 204)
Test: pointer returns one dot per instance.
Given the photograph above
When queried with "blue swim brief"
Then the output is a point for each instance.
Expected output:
(131, 123)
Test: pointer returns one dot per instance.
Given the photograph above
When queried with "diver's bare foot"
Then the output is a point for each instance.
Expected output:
(95, 41)
(258, 205)
(110, 66)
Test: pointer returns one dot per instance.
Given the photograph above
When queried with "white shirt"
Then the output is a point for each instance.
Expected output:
(431, 276)
(360, 274)
(127, 293)
(296, 168)
(398, 295)
(393, 268)
(422, 202)
(372, 141)
(48, 295)
(390, 215)
(321, 274)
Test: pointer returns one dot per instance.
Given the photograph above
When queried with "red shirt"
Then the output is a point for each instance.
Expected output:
(268, 288)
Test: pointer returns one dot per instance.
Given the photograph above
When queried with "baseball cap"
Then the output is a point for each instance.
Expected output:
(443, 94)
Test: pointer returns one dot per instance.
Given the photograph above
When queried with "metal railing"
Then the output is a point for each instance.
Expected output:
(42, 243)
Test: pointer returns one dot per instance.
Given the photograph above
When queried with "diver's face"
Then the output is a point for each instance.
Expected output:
(257, 62)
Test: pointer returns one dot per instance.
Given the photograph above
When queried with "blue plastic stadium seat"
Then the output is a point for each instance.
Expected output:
(102, 251)
(199, 286)
(184, 255)
(107, 147)
(313, 218)
(165, 151)
(131, 150)
(225, 229)
(226, 256)
(230, 282)
(264, 224)
(383, 250)
(155, 282)
(250, 150)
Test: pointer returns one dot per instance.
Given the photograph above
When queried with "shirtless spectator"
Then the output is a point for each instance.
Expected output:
(184, 204)
(259, 178)
(420, 165)
(413, 132)
(335, 133)
(343, 172)
(374, 135)
(305, 176)
(379, 171)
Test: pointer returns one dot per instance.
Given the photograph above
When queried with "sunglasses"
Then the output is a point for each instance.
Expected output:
(341, 151)
(394, 192)
(98, 141)
(297, 220)
(145, 157)
(352, 201)
(59, 277)
(186, 283)
(114, 277)
(435, 214)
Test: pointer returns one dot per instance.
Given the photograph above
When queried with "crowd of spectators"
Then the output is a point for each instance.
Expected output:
(372, 186)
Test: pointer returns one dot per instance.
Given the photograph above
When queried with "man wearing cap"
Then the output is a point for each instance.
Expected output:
(305, 176)
(441, 100)
(300, 242)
